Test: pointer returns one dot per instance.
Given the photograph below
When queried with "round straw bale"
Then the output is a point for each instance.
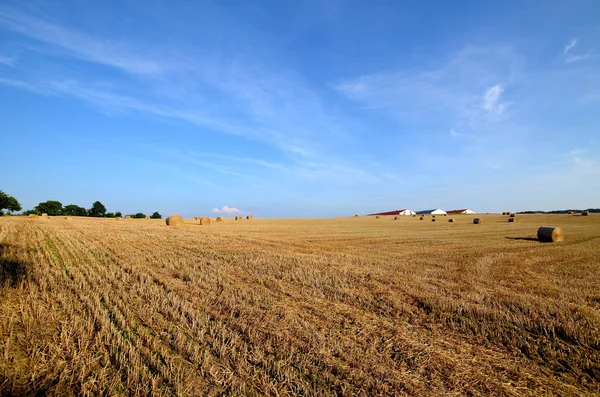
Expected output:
(376, 216)
(249, 217)
(219, 219)
(396, 217)
(583, 213)
(478, 221)
(512, 215)
(44, 215)
(550, 234)
(174, 220)
(414, 215)
(238, 218)
(205, 221)
(433, 216)
(127, 217)
(118, 218)
(355, 215)
(432, 219)
(422, 217)
(32, 216)
(511, 219)
(451, 220)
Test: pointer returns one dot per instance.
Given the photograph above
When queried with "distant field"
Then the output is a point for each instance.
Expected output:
(349, 306)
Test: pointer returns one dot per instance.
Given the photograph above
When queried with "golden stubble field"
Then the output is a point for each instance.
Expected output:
(350, 306)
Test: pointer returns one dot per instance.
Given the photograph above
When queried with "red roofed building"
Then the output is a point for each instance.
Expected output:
(463, 211)
(405, 211)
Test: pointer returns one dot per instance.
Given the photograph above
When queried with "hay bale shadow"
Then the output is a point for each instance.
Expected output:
(523, 238)
(12, 271)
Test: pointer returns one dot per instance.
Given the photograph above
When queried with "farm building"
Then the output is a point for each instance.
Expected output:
(463, 211)
(432, 212)
(405, 211)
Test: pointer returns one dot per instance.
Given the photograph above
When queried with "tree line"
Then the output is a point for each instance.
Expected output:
(55, 208)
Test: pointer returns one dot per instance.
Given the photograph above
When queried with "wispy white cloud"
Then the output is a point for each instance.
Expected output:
(227, 210)
(452, 91)
(26, 86)
(577, 58)
(570, 57)
(273, 106)
(79, 45)
(580, 159)
(569, 46)
(6, 61)
(491, 100)
(455, 134)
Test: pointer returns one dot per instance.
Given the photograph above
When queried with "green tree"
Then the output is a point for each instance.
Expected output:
(8, 202)
(109, 215)
(118, 214)
(74, 210)
(139, 215)
(98, 209)
(156, 215)
(50, 207)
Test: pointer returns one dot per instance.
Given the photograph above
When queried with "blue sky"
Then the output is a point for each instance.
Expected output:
(301, 109)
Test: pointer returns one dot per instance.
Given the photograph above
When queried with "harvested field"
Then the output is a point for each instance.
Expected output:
(348, 306)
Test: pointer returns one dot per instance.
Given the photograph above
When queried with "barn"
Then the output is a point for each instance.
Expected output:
(463, 211)
(438, 212)
(405, 211)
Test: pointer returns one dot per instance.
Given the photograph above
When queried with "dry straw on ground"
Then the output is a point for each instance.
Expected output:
(219, 219)
(147, 217)
(550, 234)
(205, 221)
(174, 220)
(309, 307)
(32, 216)
(478, 221)
(118, 218)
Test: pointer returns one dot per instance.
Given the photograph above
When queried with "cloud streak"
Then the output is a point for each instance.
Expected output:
(452, 91)
(569, 46)
(570, 57)
(79, 45)
(226, 210)
(491, 100)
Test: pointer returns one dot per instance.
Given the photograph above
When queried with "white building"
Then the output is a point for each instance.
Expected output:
(463, 211)
(407, 212)
(438, 212)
